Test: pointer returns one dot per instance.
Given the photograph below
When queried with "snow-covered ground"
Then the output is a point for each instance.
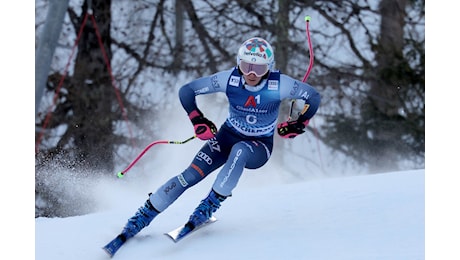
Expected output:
(380, 216)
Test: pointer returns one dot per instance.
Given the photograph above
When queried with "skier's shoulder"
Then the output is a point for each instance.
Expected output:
(286, 78)
(287, 81)
(224, 74)
(221, 78)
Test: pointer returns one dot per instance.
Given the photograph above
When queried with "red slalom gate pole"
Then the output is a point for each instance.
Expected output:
(310, 65)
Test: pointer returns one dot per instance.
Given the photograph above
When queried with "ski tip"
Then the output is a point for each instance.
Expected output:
(172, 238)
(183, 231)
(112, 247)
(174, 235)
(110, 253)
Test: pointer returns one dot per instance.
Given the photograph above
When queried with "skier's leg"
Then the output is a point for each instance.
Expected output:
(167, 194)
(207, 160)
(201, 166)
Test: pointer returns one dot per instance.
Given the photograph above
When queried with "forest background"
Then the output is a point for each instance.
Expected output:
(107, 75)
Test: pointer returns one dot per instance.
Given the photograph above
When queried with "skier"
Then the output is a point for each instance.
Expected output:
(245, 140)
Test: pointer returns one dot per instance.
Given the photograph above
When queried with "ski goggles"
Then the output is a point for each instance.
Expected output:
(248, 68)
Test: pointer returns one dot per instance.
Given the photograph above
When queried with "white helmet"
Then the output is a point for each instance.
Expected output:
(253, 52)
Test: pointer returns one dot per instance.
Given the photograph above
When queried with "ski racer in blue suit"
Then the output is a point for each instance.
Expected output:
(245, 140)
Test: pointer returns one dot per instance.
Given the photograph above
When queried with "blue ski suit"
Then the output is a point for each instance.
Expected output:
(245, 139)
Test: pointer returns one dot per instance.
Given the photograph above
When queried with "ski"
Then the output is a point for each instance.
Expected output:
(179, 233)
(176, 235)
(112, 247)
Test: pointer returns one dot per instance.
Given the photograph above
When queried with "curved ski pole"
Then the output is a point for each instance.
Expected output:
(122, 173)
(310, 65)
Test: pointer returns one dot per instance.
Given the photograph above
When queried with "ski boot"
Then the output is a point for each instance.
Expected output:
(141, 219)
(205, 210)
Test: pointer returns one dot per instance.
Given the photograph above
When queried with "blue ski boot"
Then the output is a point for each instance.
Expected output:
(141, 219)
(204, 211)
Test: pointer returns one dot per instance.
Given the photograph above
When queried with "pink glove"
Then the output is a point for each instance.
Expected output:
(204, 129)
(291, 129)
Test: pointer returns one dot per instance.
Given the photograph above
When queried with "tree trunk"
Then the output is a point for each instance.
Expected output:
(179, 33)
(282, 36)
(92, 94)
(389, 56)
(384, 93)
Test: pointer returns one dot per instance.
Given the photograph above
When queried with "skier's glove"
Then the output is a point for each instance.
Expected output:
(204, 129)
(291, 129)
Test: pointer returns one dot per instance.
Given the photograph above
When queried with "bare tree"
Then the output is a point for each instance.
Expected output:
(87, 106)
(378, 85)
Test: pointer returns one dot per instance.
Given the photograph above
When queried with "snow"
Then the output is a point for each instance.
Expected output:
(379, 216)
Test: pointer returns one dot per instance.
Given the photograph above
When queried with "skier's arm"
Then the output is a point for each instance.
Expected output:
(311, 105)
(295, 89)
(187, 96)
(205, 85)
(204, 128)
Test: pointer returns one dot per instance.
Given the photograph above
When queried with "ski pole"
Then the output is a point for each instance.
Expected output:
(310, 65)
(122, 173)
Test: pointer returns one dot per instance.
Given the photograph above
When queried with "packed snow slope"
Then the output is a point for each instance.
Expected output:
(378, 216)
